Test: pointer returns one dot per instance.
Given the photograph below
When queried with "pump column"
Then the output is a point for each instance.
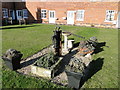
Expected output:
(65, 48)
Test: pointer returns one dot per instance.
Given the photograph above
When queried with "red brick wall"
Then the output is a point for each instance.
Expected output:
(95, 12)
(8, 5)
(32, 8)
(20, 5)
(119, 6)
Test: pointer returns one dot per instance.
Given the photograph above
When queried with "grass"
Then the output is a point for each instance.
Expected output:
(31, 38)
(11, 79)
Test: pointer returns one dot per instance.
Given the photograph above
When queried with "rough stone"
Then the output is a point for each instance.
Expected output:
(12, 53)
(74, 79)
(12, 58)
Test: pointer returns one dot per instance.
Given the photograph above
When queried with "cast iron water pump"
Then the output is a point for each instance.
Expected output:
(57, 41)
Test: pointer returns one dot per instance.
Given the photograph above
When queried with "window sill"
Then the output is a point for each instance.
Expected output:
(43, 18)
(5, 17)
(79, 20)
(109, 21)
(25, 17)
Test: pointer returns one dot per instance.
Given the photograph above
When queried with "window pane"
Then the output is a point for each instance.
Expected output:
(44, 16)
(80, 15)
(25, 13)
(43, 10)
(5, 12)
(109, 15)
(51, 14)
(43, 13)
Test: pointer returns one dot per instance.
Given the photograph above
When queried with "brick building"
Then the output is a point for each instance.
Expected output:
(13, 11)
(98, 13)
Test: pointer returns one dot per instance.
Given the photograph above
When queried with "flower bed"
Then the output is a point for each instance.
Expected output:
(46, 66)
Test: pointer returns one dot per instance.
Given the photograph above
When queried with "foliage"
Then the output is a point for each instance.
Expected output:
(47, 60)
(75, 65)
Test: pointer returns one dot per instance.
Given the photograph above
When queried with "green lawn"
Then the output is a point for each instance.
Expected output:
(31, 38)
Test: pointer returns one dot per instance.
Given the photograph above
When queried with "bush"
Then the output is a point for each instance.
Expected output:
(47, 60)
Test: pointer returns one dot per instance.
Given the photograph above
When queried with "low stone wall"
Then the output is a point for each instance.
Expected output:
(41, 52)
(27, 62)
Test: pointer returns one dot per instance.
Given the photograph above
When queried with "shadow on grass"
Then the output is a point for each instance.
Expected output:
(30, 62)
(15, 27)
(92, 69)
(99, 47)
(76, 44)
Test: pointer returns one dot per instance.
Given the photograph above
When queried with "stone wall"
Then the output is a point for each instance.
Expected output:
(40, 53)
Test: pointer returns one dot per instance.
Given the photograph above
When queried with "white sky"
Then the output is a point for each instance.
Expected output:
(59, 0)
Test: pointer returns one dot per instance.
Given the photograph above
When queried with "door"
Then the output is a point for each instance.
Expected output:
(70, 17)
(51, 16)
(12, 14)
(118, 21)
(25, 13)
(19, 14)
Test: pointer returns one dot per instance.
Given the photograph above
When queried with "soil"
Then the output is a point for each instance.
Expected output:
(60, 76)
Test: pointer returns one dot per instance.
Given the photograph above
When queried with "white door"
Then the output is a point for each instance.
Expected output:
(52, 16)
(19, 14)
(70, 17)
(118, 21)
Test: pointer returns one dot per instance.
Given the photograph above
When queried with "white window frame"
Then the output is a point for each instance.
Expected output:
(18, 14)
(81, 12)
(25, 13)
(107, 13)
(5, 12)
(42, 13)
(23, 0)
(20, 11)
